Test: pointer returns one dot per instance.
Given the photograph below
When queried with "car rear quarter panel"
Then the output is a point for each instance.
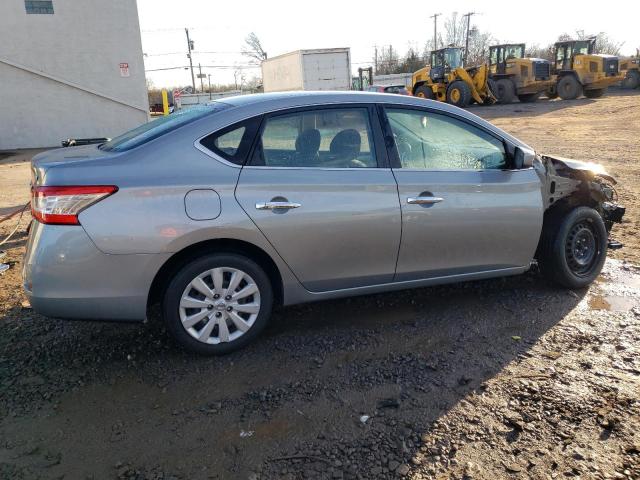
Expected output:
(147, 215)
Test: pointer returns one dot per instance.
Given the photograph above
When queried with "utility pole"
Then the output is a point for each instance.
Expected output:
(189, 49)
(375, 58)
(209, 86)
(435, 29)
(200, 76)
(466, 45)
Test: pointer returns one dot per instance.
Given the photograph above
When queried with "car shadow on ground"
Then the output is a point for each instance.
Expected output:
(403, 358)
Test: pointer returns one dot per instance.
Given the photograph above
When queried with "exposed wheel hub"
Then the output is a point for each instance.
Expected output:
(581, 248)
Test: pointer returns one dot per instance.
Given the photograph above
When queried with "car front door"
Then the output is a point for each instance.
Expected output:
(319, 187)
(463, 209)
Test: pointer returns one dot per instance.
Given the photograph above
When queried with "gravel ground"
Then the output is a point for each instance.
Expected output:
(506, 378)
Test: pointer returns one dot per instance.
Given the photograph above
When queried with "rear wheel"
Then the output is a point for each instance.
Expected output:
(505, 91)
(594, 93)
(573, 247)
(217, 303)
(569, 88)
(529, 97)
(632, 79)
(459, 94)
(424, 92)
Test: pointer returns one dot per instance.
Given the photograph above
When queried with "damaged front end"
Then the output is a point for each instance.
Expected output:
(570, 183)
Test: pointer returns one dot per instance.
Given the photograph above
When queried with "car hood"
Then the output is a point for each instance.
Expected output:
(592, 169)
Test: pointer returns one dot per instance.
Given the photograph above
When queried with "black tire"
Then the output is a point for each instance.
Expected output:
(183, 277)
(551, 93)
(424, 92)
(594, 93)
(459, 94)
(493, 88)
(573, 247)
(569, 88)
(631, 80)
(505, 91)
(529, 97)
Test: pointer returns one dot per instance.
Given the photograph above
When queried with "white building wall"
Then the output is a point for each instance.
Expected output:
(60, 74)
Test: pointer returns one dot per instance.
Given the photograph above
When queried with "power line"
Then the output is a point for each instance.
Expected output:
(193, 52)
(186, 67)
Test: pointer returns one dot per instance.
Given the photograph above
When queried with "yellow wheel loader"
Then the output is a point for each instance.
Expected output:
(578, 70)
(446, 80)
(516, 75)
(630, 71)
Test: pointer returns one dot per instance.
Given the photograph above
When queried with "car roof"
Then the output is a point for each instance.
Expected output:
(260, 103)
(280, 100)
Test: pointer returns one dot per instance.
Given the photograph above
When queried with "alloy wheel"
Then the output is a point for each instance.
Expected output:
(219, 305)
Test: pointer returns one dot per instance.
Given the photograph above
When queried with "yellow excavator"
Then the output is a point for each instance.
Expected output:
(516, 75)
(447, 80)
(579, 70)
(630, 70)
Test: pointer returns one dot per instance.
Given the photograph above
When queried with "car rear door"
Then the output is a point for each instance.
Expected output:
(463, 209)
(319, 187)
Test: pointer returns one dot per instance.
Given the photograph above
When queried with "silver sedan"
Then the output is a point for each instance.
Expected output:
(221, 212)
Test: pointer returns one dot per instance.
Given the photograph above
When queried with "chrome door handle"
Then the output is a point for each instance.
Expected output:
(277, 205)
(424, 200)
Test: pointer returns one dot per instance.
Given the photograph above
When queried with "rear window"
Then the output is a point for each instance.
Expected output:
(234, 142)
(156, 128)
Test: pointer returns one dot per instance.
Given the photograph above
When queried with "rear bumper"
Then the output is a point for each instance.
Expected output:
(66, 276)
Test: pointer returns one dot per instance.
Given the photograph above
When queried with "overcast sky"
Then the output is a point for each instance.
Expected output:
(219, 28)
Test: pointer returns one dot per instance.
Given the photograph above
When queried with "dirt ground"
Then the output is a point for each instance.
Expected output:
(506, 378)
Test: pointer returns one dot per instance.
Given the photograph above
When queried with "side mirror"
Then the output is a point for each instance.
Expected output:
(523, 158)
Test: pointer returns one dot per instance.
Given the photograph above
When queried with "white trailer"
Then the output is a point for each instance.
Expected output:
(321, 69)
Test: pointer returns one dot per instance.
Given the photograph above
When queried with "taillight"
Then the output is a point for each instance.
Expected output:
(62, 205)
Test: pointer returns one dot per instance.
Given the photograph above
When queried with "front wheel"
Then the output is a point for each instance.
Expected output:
(631, 80)
(217, 303)
(573, 247)
(424, 92)
(459, 94)
(569, 88)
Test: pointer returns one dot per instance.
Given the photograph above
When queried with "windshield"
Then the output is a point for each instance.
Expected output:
(449, 57)
(156, 128)
(581, 48)
(453, 57)
(514, 51)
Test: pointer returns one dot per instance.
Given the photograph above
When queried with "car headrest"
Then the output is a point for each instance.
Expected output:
(346, 144)
(308, 142)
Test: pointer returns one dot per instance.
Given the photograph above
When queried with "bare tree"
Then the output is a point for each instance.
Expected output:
(238, 78)
(537, 51)
(387, 61)
(455, 30)
(411, 62)
(253, 48)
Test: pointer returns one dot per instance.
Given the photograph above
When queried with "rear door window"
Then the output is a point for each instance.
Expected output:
(320, 138)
